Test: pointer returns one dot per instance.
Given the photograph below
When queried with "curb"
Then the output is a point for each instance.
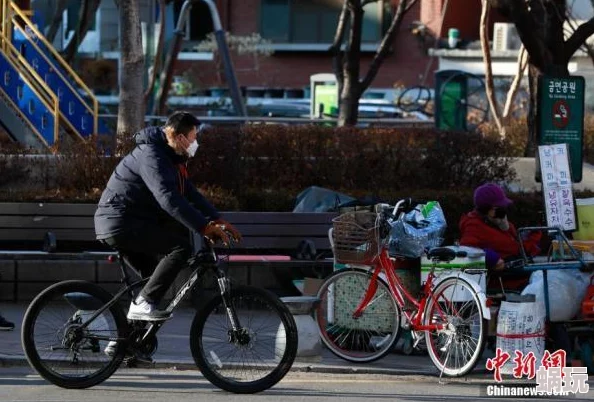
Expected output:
(301, 367)
(479, 376)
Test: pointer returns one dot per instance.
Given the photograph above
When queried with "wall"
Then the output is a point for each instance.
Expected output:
(462, 14)
(293, 69)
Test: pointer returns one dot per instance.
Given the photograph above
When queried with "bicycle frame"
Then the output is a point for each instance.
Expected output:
(383, 264)
(205, 260)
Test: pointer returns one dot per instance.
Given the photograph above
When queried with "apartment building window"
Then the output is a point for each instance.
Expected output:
(199, 24)
(314, 21)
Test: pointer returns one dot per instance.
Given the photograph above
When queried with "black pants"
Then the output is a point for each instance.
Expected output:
(142, 248)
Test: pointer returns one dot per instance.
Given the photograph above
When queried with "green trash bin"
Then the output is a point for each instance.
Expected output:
(450, 100)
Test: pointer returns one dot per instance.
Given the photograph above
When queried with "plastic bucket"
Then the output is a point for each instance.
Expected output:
(585, 216)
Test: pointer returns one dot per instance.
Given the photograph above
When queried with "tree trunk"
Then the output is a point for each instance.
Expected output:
(348, 111)
(540, 27)
(131, 108)
(533, 111)
(56, 21)
(87, 13)
(347, 64)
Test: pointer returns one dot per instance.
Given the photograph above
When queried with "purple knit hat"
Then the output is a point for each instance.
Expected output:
(490, 195)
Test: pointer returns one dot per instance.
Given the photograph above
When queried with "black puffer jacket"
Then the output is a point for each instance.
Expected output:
(147, 183)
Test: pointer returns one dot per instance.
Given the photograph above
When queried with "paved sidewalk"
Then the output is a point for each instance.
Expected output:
(174, 351)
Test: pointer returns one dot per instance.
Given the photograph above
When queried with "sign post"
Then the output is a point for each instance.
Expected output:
(561, 110)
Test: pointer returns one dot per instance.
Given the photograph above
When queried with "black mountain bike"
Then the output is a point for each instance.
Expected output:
(75, 334)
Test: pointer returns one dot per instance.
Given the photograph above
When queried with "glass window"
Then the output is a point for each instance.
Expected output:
(314, 21)
(372, 27)
(274, 20)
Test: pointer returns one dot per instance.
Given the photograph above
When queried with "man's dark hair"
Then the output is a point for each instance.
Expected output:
(182, 122)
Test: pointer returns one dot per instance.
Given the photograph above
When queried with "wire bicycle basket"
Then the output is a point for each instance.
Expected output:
(356, 237)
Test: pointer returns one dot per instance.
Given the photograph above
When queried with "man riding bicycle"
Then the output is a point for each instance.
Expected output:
(147, 192)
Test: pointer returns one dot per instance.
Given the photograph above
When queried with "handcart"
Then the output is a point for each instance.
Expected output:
(581, 329)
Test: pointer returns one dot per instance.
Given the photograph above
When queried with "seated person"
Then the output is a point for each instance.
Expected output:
(487, 227)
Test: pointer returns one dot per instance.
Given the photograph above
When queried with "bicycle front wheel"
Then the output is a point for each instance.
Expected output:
(59, 344)
(456, 348)
(253, 357)
(357, 339)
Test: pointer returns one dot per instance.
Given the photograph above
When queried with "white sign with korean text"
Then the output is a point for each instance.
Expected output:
(556, 181)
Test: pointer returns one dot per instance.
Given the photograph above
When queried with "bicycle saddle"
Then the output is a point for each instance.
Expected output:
(445, 254)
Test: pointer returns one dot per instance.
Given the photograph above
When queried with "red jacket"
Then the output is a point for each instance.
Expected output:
(476, 232)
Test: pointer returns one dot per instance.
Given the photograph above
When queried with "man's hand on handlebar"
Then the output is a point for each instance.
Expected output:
(213, 233)
(232, 230)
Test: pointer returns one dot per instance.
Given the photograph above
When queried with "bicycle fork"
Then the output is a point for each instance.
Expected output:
(225, 290)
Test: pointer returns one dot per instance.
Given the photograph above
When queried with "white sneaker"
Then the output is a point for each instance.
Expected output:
(142, 310)
(110, 349)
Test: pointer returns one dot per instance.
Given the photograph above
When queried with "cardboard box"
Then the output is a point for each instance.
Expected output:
(311, 286)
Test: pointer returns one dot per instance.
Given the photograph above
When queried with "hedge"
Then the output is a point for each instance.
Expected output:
(264, 167)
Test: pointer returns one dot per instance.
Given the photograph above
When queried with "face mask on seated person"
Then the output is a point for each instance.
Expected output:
(192, 148)
(500, 219)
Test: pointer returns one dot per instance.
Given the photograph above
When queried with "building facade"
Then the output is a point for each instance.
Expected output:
(300, 33)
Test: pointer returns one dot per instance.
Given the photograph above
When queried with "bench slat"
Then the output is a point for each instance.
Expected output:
(289, 218)
(52, 223)
(288, 242)
(22, 222)
(56, 209)
(47, 222)
(283, 230)
(283, 243)
(36, 234)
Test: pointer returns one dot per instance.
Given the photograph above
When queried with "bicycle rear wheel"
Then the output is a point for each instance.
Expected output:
(255, 357)
(363, 339)
(57, 345)
(457, 347)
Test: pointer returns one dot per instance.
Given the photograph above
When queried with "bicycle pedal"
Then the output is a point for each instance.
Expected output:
(133, 360)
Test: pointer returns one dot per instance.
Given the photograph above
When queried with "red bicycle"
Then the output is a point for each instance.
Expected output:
(365, 306)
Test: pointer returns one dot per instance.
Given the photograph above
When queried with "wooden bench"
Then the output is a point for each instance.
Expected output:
(270, 239)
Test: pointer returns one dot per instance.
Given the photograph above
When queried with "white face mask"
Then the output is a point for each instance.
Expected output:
(191, 150)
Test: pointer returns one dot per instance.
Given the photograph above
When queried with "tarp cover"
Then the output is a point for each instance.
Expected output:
(318, 199)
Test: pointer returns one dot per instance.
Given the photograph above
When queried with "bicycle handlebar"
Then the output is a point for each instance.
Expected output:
(405, 205)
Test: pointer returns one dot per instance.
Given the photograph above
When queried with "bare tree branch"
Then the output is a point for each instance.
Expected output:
(411, 4)
(56, 21)
(403, 7)
(515, 85)
(484, 36)
(337, 44)
(159, 55)
(88, 10)
(578, 38)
